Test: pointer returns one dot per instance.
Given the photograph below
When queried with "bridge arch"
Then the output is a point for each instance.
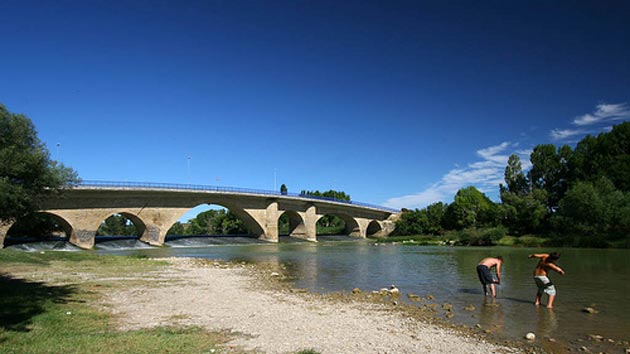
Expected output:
(60, 222)
(296, 227)
(374, 228)
(250, 223)
(139, 224)
(351, 225)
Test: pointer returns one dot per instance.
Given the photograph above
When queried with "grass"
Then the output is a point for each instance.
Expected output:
(523, 241)
(60, 316)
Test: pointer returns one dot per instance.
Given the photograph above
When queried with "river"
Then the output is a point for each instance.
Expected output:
(597, 278)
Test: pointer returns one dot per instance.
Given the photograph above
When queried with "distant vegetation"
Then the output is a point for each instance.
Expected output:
(570, 197)
(211, 222)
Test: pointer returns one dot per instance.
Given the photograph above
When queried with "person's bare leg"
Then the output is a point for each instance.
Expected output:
(494, 291)
(485, 290)
(537, 302)
(550, 302)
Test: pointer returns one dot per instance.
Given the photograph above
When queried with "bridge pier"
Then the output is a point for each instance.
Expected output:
(308, 230)
(268, 220)
(4, 228)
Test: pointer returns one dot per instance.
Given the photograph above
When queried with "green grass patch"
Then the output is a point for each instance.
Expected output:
(58, 316)
(523, 241)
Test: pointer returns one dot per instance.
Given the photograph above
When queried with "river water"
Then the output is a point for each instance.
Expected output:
(594, 278)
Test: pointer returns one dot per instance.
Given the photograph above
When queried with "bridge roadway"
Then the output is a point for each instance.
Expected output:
(154, 208)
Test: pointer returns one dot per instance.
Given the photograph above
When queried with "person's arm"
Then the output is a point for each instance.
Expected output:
(538, 255)
(556, 268)
(499, 272)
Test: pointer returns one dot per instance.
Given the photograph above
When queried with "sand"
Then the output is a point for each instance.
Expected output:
(269, 319)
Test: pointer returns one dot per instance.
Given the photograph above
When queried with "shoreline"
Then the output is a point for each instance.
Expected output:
(264, 314)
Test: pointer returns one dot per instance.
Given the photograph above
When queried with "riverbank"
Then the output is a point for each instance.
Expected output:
(246, 308)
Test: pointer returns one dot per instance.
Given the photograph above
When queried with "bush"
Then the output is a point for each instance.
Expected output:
(478, 237)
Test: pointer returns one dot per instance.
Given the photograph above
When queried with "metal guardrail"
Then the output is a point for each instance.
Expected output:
(208, 188)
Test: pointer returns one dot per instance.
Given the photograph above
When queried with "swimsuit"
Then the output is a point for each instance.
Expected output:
(545, 285)
(485, 277)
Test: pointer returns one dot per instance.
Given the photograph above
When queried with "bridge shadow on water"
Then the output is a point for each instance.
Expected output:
(21, 300)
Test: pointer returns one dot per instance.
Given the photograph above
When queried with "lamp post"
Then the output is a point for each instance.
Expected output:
(275, 177)
(188, 160)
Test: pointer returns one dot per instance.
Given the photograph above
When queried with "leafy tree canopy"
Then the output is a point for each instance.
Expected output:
(27, 174)
(328, 194)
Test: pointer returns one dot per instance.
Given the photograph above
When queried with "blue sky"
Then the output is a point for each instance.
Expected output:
(397, 103)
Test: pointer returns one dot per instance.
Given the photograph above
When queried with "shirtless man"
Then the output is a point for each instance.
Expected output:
(485, 277)
(540, 276)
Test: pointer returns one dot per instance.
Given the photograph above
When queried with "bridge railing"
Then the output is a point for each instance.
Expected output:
(209, 188)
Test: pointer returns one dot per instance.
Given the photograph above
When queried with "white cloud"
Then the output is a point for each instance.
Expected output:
(603, 113)
(485, 175)
(561, 134)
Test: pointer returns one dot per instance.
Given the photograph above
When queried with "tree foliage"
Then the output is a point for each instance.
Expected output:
(117, 225)
(27, 174)
(327, 194)
(211, 222)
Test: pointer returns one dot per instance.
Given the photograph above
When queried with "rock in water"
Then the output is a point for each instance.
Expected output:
(530, 336)
(589, 310)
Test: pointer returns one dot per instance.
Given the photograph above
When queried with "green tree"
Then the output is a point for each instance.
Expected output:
(593, 213)
(471, 208)
(117, 225)
(549, 172)
(283, 189)
(177, 229)
(607, 155)
(27, 174)
(515, 179)
(435, 218)
(328, 194)
(525, 214)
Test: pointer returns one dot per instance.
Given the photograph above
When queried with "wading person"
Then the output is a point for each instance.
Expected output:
(485, 276)
(545, 264)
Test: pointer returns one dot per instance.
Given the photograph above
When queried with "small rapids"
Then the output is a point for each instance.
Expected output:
(45, 246)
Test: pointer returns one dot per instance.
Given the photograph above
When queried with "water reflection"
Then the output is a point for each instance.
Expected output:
(491, 315)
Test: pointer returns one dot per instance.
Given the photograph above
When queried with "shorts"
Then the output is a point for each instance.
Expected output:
(545, 285)
(485, 277)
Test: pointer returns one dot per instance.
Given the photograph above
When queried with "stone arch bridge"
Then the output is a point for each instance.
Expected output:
(154, 208)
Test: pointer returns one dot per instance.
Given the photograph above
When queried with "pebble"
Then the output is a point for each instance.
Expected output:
(356, 291)
(590, 310)
(530, 336)
(275, 274)
(470, 308)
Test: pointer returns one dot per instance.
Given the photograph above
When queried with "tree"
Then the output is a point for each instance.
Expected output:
(593, 213)
(27, 174)
(471, 208)
(514, 177)
(607, 155)
(549, 172)
(524, 214)
(117, 225)
(283, 189)
(177, 229)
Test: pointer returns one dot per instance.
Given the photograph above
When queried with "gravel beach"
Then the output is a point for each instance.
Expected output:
(265, 319)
